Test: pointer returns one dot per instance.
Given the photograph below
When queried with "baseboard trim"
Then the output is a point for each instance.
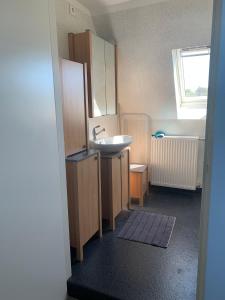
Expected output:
(173, 190)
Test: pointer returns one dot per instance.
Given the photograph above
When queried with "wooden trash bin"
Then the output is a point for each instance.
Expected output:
(138, 182)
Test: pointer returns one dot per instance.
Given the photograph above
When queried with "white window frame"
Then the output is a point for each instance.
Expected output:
(182, 100)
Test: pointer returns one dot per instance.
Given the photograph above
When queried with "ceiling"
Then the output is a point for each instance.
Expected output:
(107, 6)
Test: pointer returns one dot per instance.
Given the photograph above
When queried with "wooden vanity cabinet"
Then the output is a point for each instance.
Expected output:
(115, 185)
(100, 56)
(82, 165)
(84, 199)
(125, 178)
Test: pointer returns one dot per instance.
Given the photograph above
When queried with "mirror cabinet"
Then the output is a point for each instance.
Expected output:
(100, 56)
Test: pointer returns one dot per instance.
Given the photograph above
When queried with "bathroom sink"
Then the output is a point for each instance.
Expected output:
(112, 144)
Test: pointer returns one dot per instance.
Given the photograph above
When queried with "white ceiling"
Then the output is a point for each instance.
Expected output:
(107, 6)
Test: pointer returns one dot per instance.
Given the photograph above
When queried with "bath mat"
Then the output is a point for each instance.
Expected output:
(148, 228)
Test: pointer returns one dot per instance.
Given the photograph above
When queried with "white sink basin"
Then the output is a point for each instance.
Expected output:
(112, 144)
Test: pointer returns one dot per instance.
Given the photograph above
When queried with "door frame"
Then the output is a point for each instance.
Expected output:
(212, 243)
(60, 134)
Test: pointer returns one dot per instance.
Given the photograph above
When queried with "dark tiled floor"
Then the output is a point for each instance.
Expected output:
(128, 270)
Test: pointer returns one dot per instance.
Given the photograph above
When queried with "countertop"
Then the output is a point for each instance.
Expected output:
(91, 152)
(82, 155)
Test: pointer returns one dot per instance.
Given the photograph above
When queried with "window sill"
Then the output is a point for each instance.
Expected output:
(184, 113)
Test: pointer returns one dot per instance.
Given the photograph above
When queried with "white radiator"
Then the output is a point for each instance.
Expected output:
(173, 162)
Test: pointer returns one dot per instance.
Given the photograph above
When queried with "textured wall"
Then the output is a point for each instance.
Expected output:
(145, 37)
(67, 23)
(139, 127)
(110, 123)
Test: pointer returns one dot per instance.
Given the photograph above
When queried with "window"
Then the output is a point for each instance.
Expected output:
(191, 74)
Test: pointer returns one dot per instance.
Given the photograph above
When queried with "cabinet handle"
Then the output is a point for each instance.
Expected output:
(84, 146)
(95, 157)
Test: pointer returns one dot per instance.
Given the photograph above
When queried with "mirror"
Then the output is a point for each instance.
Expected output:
(103, 78)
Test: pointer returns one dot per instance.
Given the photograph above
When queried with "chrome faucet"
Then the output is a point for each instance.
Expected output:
(94, 133)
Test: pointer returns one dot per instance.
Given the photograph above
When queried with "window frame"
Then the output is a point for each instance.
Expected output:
(182, 100)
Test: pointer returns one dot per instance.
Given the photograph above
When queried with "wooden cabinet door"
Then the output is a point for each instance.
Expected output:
(88, 197)
(98, 76)
(110, 78)
(116, 186)
(125, 178)
(106, 188)
(74, 109)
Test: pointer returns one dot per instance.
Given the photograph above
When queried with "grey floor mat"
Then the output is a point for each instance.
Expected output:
(148, 228)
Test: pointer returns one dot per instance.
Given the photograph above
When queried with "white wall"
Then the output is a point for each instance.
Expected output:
(67, 23)
(32, 229)
(145, 37)
(139, 127)
(110, 123)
